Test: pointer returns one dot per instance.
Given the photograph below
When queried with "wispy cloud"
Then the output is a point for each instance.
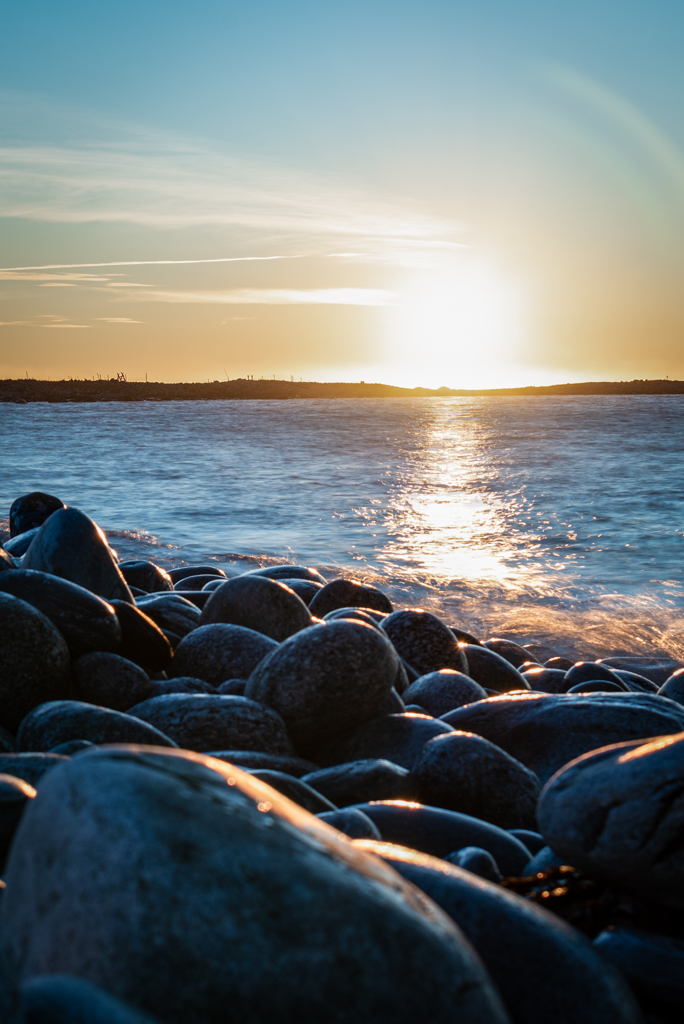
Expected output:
(277, 297)
(118, 320)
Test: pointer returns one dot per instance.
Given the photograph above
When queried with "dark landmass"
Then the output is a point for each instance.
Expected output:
(131, 391)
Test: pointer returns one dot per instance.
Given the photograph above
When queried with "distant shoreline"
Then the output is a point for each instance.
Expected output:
(23, 390)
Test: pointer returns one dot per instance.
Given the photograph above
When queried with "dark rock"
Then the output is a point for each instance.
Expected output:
(294, 789)
(211, 862)
(61, 999)
(249, 759)
(7, 563)
(110, 681)
(213, 584)
(546, 680)
(655, 669)
(142, 641)
(34, 660)
(490, 670)
(86, 622)
(652, 964)
(544, 860)
(476, 860)
(392, 704)
(71, 545)
(559, 663)
(540, 652)
(617, 813)
(416, 709)
(598, 686)
(359, 782)
(288, 572)
(464, 637)
(466, 773)
(182, 684)
(258, 603)
(395, 738)
(636, 682)
(353, 823)
(673, 687)
(513, 653)
(532, 840)
(69, 748)
(325, 680)
(349, 594)
(545, 970)
(184, 571)
(30, 767)
(60, 720)
(31, 510)
(439, 692)
(172, 638)
(588, 672)
(171, 612)
(234, 686)
(545, 732)
(306, 590)
(19, 545)
(195, 582)
(15, 793)
(146, 576)
(358, 614)
(204, 721)
(197, 597)
(221, 651)
(439, 832)
(424, 641)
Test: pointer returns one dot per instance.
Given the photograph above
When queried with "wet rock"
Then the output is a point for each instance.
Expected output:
(110, 681)
(30, 767)
(294, 789)
(61, 999)
(258, 603)
(34, 660)
(393, 704)
(234, 686)
(617, 813)
(513, 653)
(673, 687)
(306, 590)
(598, 686)
(466, 773)
(184, 571)
(464, 637)
(203, 722)
(540, 652)
(359, 782)
(358, 614)
(70, 748)
(545, 732)
(558, 662)
(146, 576)
(172, 613)
(69, 544)
(544, 860)
(15, 793)
(439, 832)
(636, 682)
(476, 860)
(416, 709)
(395, 738)
(86, 622)
(652, 964)
(655, 669)
(349, 594)
(545, 970)
(31, 511)
(58, 721)
(424, 641)
(197, 597)
(490, 670)
(588, 672)
(19, 545)
(353, 823)
(181, 684)
(325, 680)
(439, 692)
(221, 651)
(213, 584)
(532, 840)
(249, 759)
(195, 582)
(7, 563)
(546, 680)
(262, 868)
(289, 572)
(142, 641)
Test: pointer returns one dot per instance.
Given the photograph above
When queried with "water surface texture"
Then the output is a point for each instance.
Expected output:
(559, 519)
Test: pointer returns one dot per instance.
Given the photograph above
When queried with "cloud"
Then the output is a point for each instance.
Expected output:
(22, 274)
(118, 320)
(278, 297)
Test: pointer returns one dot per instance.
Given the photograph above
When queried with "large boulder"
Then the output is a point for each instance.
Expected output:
(195, 893)
(492, 671)
(59, 721)
(260, 604)
(424, 641)
(31, 510)
(145, 576)
(357, 782)
(60, 999)
(220, 651)
(349, 594)
(110, 681)
(442, 691)
(397, 738)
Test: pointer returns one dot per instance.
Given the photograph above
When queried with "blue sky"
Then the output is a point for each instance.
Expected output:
(504, 181)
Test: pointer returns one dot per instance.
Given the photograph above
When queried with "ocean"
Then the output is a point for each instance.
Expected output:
(559, 520)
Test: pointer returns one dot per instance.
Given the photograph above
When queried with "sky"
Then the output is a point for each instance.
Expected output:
(460, 193)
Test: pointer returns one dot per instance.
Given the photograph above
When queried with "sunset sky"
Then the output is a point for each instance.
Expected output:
(468, 193)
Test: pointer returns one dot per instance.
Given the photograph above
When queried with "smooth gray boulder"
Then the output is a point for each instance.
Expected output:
(59, 721)
(514, 654)
(349, 594)
(589, 672)
(204, 721)
(325, 681)
(395, 738)
(31, 510)
(248, 759)
(30, 768)
(220, 651)
(353, 823)
(442, 691)
(290, 572)
(18, 546)
(655, 669)
(34, 660)
(69, 544)
(241, 906)
(546, 971)
(294, 789)
(182, 572)
(145, 576)
(142, 640)
(424, 641)
(492, 671)
(653, 965)
(545, 732)
(259, 603)
(546, 680)
(618, 813)
(304, 589)
(673, 687)
(467, 773)
(110, 681)
(476, 860)
(61, 999)
(171, 612)
(357, 782)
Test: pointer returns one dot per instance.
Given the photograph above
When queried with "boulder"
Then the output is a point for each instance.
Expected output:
(248, 759)
(673, 687)
(294, 789)
(395, 738)
(349, 594)
(19, 545)
(290, 572)
(304, 589)
(359, 782)
(442, 691)
(142, 641)
(589, 672)
(221, 651)
(15, 794)
(58, 721)
(186, 571)
(7, 563)
(30, 768)
(353, 823)
(492, 671)
(476, 860)
(31, 510)
(546, 680)
(171, 612)
(260, 604)
(146, 576)
(424, 641)
(655, 669)
(61, 999)
(110, 681)
(653, 965)
(34, 660)
(514, 654)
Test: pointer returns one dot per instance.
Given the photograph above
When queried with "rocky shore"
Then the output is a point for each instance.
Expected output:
(132, 391)
(275, 798)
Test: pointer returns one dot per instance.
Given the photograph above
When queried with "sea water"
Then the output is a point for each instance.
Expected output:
(554, 519)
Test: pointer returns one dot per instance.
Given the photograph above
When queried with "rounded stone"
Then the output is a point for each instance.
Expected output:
(221, 651)
(204, 721)
(181, 684)
(30, 767)
(395, 738)
(61, 720)
(326, 680)
(352, 823)
(588, 672)
(20, 544)
(234, 686)
(598, 686)
(294, 789)
(31, 511)
(546, 680)
(290, 572)
(142, 641)
(61, 999)
(673, 687)
(547, 731)
(532, 840)
(171, 612)
(652, 964)
(349, 594)
(258, 603)
(424, 641)
(476, 860)
(293, 890)
(655, 669)
(442, 691)
(466, 773)
(7, 563)
(183, 571)
(15, 793)
(492, 671)
(71, 747)
(34, 660)
(297, 767)
(110, 681)
(358, 614)
(514, 654)
(304, 589)
(146, 576)
(69, 544)
(558, 662)
(358, 782)
(196, 582)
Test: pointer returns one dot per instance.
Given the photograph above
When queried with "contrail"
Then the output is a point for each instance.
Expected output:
(151, 263)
